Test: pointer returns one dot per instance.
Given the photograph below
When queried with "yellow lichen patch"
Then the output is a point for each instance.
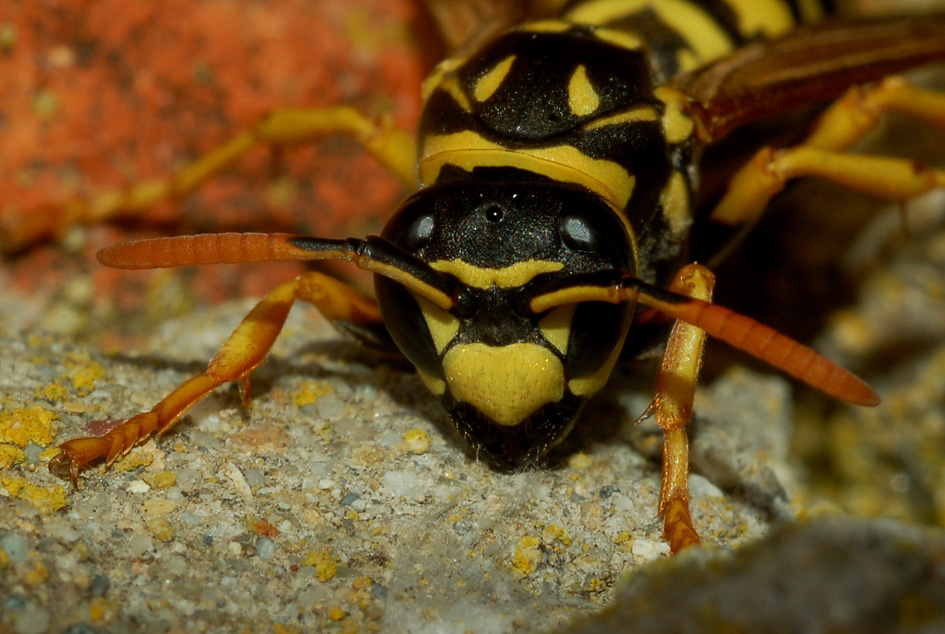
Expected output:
(324, 563)
(579, 461)
(527, 556)
(336, 614)
(52, 393)
(22, 425)
(102, 610)
(46, 500)
(554, 533)
(38, 574)
(416, 441)
(361, 583)
(11, 455)
(309, 392)
(83, 372)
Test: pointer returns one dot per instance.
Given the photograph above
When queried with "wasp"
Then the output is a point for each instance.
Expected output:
(558, 170)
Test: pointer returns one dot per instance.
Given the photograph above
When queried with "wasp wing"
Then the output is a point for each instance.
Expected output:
(812, 64)
(465, 25)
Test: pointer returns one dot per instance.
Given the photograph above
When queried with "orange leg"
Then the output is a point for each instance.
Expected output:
(392, 147)
(237, 358)
(824, 153)
(675, 390)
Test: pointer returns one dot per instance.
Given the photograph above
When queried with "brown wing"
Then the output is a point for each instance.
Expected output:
(467, 24)
(812, 64)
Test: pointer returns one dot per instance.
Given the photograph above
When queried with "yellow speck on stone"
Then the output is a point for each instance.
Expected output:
(160, 528)
(4, 559)
(595, 585)
(52, 393)
(336, 614)
(160, 480)
(282, 628)
(46, 500)
(325, 567)
(579, 461)
(310, 391)
(83, 372)
(10, 455)
(416, 441)
(38, 574)
(527, 555)
(139, 457)
(623, 537)
(22, 425)
(362, 582)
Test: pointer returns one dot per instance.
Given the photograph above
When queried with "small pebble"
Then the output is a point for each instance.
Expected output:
(33, 620)
(15, 546)
(265, 547)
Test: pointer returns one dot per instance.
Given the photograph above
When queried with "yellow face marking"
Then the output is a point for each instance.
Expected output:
(762, 17)
(468, 150)
(691, 22)
(490, 82)
(506, 383)
(556, 327)
(637, 113)
(675, 202)
(578, 294)
(442, 325)
(517, 274)
(677, 127)
(619, 38)
(592, 383)
(545, 26)
(411, 283)
(582, 98)
(435, 385)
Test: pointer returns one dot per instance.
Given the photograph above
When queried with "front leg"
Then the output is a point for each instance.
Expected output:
(283, 127)
(675, 390)
(246, 348)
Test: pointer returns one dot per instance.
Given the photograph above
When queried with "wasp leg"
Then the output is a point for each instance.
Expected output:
(392, 147)
(237, 358)
(675, 390)
(823, 153)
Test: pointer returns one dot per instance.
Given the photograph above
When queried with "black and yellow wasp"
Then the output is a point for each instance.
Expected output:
(559, 164)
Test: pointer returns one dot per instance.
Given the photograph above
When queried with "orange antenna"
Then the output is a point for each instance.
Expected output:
(373, 254)
(737, 330)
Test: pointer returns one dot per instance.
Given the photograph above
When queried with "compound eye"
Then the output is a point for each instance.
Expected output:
(420, 232)
(578, 234)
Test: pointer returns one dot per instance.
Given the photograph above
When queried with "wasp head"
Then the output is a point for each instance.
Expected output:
(511, 380)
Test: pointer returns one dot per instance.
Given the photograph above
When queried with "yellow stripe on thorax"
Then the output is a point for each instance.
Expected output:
(691, 22)
(468, 150)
